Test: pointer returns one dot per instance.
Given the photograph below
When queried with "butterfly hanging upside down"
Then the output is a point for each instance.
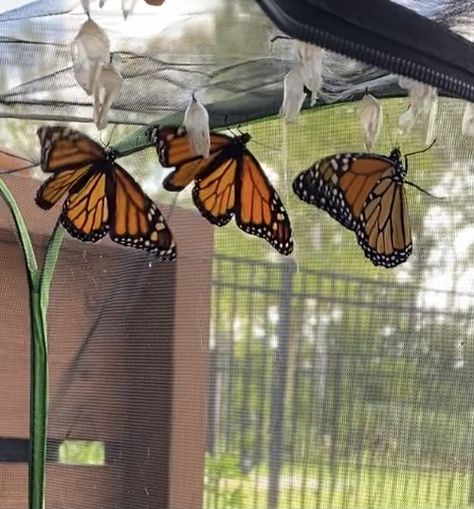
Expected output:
(230, 182)
(101, 196)
(366, 194)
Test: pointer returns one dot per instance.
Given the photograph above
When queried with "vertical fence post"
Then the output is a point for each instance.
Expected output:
(277, 421)
(213, 399)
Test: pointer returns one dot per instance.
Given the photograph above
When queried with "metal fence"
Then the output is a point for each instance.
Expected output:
(330, 391)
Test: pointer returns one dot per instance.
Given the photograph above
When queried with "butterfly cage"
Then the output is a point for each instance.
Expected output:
(236, 254)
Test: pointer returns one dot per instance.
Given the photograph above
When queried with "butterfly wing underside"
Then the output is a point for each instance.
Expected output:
(135, 219)
(384, 232)
(362, 192)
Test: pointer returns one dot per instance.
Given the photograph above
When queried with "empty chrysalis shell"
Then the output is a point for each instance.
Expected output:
(85, 5)
(407, 120)
(90, 49)
(468, 120)
(293, 94)
(431, 108)
(196, 122)
(310, 58)
(370, 116)
(423, 107)
(127, 7)
(106, 91)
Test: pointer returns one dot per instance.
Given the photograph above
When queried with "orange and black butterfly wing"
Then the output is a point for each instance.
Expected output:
(364, 194)
(56, 186)
(341, 184)
(85, 213)
(384, 231)
(259, 209)
(235, 184)
(69, 155)
(135, 220)
(230, 181)
(214, 192)
(63, 148)
(175, 151)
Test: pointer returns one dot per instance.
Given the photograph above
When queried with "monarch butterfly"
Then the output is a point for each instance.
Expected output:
(101, 196)
(230, 182)
(366, 194)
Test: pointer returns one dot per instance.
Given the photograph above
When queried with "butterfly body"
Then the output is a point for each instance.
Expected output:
(229, 183)
(101, 197)
(365, 193)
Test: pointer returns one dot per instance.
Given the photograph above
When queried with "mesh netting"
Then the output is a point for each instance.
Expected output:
(237, 378)
(241, 378)
(223, 51)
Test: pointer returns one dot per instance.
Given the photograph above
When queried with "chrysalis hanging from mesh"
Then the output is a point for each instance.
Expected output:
(85, 5)
(106, 91)
(293, 95)
(371, 117)
(306, 73)
(468, 120)
(127, 7)
(90, 50)
(423, 107)
(196, 122)
(310, 58)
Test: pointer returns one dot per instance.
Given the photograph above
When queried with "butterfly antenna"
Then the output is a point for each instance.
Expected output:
(424, 191)
(421, 151)
(268, 147)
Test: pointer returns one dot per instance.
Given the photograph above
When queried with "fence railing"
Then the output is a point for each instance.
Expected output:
(334, 391)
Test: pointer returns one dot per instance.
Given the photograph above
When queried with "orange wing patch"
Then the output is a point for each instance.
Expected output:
(359, 180)
(174, 148)
(53, 189)
(137, 220)
(261, 211)
(214, 195)
(385, 233)
(85, 213)
(66, 149)
(186, 172)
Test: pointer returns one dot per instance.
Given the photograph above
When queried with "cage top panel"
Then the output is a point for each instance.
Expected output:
(224, 52)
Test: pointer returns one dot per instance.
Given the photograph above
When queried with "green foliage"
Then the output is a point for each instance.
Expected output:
(224, 481)
(82, 452)
(350, 484)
